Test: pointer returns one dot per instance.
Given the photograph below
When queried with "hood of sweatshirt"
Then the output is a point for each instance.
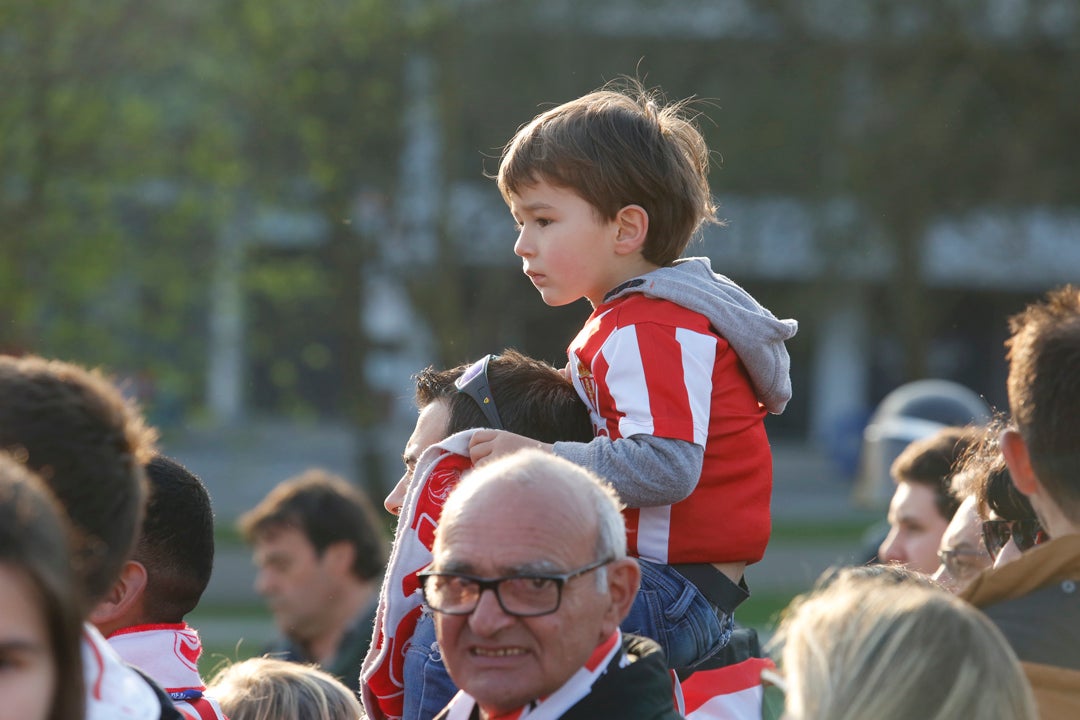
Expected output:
(755, 334)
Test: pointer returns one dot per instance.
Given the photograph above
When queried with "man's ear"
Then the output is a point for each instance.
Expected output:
(1018, 459)
(122, 606)
(624, 580)
(632, 225)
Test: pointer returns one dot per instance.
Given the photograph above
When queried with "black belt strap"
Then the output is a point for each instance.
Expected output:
(717, 587)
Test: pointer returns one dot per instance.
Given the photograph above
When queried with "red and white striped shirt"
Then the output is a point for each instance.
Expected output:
(649, 366)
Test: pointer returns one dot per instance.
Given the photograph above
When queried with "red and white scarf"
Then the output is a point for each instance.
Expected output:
(438, 471)
(169, 653)
(556, 704)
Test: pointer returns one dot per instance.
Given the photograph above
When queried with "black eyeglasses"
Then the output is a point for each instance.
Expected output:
(963, 563)
(518, 595)
(1025, 533)
(474, 383)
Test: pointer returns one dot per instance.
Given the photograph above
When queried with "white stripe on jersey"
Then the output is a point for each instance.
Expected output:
(698, 359)
(654, 525)
(625, 381)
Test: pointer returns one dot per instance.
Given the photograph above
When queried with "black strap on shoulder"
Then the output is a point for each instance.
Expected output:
(717, 587)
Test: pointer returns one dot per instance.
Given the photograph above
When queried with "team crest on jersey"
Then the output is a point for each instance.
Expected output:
(588, 383)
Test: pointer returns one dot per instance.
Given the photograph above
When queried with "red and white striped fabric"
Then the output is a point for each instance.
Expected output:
(648, 366)
(438, 471)
(733, 692)
(169, 653)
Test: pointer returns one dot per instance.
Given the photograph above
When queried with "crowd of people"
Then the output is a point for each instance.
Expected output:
(570, 543)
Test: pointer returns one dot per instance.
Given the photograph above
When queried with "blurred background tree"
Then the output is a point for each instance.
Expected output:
(278, 209)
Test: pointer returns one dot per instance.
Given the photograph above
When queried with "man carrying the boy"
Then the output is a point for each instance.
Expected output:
(678, 365)
(403, 675)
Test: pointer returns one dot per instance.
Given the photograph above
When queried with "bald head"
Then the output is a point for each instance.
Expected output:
(535, 482)
(537, 547)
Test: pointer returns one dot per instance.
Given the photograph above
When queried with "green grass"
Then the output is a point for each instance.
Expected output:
(239, 610)
(226, 630)
(762, 610)
(848, 532)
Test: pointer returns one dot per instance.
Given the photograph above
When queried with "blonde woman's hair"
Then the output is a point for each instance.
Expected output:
(875, 646)
(265, 688)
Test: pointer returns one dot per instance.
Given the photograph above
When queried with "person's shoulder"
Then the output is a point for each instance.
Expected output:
(639, 309)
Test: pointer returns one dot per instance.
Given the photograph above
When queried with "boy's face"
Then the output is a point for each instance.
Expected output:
(566, 248)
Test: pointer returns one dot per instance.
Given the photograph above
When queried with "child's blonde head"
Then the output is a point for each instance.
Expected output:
(265, 688)
(878, 645)
(620, 146)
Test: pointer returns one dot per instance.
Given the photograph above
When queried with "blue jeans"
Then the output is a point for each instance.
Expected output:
(428, 687)
(673, 612)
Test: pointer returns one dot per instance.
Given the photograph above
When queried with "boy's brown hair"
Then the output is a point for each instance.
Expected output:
(618, 146)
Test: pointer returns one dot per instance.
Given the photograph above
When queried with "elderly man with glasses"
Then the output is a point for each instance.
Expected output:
(529, 583)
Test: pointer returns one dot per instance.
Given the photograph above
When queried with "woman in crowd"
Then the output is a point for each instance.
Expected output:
(878, 645)
(41, 676)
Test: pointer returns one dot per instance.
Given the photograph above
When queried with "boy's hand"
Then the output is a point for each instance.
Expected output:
(489, 444)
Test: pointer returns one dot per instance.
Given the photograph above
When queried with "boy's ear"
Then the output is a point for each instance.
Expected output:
(632, 225)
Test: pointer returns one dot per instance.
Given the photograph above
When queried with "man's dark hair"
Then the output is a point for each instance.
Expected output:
(176, 544)
(89, 445)
(1044, 391)
(532, 397)
(931, 461)
(326, 509)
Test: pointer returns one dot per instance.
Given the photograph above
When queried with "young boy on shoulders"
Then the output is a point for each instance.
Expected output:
(678, 365)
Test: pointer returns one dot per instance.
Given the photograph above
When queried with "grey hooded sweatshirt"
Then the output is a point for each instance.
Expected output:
(646, 470)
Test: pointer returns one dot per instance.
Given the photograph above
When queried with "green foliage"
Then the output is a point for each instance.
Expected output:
(133, 133)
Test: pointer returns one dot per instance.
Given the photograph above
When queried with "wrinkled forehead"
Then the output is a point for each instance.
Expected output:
(497, 528)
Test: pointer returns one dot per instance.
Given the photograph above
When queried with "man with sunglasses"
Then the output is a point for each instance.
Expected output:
(1009, 515)
(1035, 600)
(529, 582)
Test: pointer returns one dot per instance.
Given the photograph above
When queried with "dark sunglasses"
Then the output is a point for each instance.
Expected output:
(474, 383)
(1025, 533)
